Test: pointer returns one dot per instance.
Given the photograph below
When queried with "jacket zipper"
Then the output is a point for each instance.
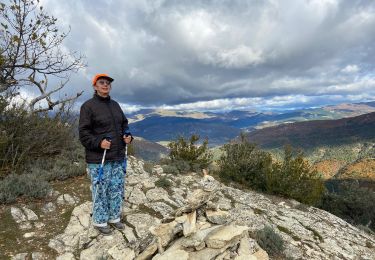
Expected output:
(115, 126)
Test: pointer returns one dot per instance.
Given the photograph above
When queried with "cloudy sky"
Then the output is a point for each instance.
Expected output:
(223, 54)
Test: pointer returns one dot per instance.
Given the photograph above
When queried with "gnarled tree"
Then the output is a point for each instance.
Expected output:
(31, 52)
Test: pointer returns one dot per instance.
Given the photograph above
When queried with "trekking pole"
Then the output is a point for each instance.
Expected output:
(96, 182)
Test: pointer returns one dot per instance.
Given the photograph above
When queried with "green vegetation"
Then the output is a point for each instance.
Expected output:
(187, 155)
(244, 163)
(270, 241)
(294, 178)
(163, 182)
(351, 202)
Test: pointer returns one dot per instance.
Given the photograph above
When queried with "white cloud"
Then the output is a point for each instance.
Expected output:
(350, 69)
(190, 52)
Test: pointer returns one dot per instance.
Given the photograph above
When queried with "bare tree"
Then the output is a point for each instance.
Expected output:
(31, 51)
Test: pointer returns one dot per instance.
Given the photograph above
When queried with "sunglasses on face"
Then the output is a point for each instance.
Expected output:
(104, 82)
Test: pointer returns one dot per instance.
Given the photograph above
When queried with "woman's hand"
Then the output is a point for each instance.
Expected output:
(127, 139)
(105, 144)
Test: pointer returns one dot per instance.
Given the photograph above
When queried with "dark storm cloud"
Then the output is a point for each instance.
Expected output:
(214, 53)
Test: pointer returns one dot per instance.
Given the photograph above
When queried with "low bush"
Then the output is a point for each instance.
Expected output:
(187, 155)
(295, 178)
(351, 202)
(163, 182)
(244, 163)
(28, 185)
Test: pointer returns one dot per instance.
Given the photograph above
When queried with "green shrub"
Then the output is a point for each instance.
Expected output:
(163, 182)
(244, 163)
(28, 185)
(183, 152)
(351, 202)
(26, 137)
(172, 169)
(295, 178)
(148, 166)
(270, 241)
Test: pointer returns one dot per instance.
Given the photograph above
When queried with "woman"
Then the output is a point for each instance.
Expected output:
(103, 126)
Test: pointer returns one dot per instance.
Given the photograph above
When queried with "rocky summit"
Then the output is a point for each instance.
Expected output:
(196, 217)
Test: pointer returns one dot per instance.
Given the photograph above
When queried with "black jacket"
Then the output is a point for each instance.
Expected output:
(102, 118)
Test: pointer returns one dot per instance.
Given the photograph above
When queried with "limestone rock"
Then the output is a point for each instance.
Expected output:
(142, 223)
(137, 197)
(120, 252)
(18, 215)
(38, 256)
(160, 207)
(189, 226)
(156, 194)
(49, 207)
(66, 256)
(30, 215)
(225, 235)
(28, 235)
(218, 217)
(66, 199)
(157, 169)
(20, 256)
(148, 252)
(175, 254)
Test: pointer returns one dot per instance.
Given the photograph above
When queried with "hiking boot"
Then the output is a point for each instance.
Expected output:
(118, 225)
(105, 231)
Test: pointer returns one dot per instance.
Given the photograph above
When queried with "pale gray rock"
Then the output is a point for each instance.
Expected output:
(148, 184)
(205, 253)
(20, 256)
(160, 207)
(166, 232)
(39, 225)
(198, 238)
(49, 207)
(156, 194)
(66, 256)
(38, 256)
(26, 225)
(189, 226)
(67, 199)
(30, 215)
(225, 236)
(28, 235)
(102, 246)
(18, 215)
(224, 203)
(142, 223)
(129, 235)
(218, 217)
(137, 197)
(169, 255)
(157, 169)
(121, 252)
(148, 252)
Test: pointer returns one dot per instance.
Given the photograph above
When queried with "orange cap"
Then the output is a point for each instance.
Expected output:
(102, 75)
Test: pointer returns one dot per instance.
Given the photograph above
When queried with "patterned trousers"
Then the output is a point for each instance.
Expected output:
(107, 195)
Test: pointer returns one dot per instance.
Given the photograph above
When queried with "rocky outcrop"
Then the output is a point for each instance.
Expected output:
(200, 218)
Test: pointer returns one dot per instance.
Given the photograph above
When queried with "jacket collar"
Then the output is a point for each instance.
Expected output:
(106, 99)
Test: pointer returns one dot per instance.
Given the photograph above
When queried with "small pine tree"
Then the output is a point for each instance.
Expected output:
(244, 163)
(295, 178)
(197, 156)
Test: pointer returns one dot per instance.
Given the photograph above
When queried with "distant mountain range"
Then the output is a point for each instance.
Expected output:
(317, 133)
(219, 128)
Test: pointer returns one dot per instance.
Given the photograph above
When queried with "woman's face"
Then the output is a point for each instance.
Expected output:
(103, 87)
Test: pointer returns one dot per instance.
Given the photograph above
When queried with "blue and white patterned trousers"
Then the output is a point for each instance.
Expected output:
(107, 195)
